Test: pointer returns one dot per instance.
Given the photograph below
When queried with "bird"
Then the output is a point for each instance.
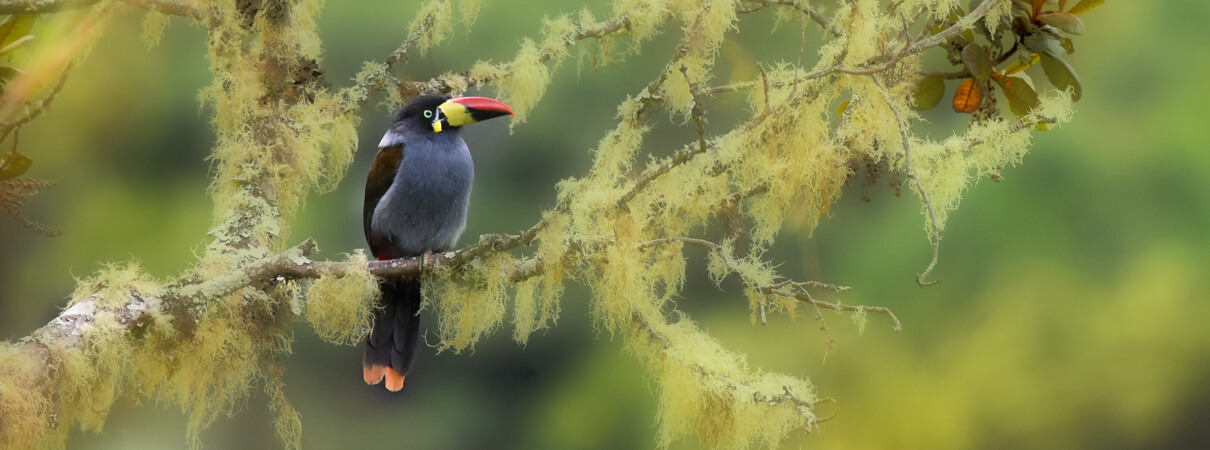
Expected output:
(417, 194)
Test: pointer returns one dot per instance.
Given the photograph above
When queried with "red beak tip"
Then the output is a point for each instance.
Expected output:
(483, 104)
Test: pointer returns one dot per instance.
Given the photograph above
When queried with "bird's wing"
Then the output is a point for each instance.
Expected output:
(382, 174)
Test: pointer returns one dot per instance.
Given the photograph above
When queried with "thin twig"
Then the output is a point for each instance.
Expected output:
(815, 15)
(823, 323)
(896, 324)
(934, 231)
(31, 114)
(697, 112)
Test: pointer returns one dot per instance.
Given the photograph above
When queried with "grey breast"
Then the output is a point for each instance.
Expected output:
(425, 208)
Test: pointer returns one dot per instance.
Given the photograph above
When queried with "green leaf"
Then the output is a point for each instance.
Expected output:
(1062, 75)
(15, 27)
(844, 106)
(929, 92)
(1043, 42)
(1021, 97)
(1085, 6)
(1064, 21)
(977, 62)
(12, 165)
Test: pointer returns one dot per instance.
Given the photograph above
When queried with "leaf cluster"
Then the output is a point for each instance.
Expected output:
(14, 34)
(1037, 32)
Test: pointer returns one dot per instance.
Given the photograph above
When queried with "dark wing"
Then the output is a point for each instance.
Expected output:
(382, 174)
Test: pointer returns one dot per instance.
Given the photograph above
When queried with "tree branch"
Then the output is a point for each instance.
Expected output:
(815, 15)
(934, 232)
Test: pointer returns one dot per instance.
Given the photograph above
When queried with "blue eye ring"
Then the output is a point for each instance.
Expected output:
(428, 114)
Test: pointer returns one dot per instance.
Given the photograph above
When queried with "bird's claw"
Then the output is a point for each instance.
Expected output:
(426, 260)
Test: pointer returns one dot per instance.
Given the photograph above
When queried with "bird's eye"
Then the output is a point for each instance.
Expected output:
(428, 114)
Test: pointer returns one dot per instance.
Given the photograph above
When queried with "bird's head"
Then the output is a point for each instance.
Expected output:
(439, 112)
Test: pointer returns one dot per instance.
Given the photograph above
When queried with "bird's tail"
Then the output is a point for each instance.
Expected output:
(391, 347)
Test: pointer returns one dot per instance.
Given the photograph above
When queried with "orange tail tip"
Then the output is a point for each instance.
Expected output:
(374, 374)
(394, 379)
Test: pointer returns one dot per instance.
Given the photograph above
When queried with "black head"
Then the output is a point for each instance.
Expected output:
(419, 113)
(438, 112)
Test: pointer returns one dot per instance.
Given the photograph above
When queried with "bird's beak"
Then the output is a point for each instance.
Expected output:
(461, 111)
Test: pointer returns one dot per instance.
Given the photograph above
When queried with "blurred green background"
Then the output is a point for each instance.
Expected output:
(1072, 311)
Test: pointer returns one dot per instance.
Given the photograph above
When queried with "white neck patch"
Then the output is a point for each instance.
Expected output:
(390, 139)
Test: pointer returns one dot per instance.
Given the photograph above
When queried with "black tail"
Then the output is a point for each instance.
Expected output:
(391, 347)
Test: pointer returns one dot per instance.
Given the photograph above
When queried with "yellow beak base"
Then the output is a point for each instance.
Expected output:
(455, 114)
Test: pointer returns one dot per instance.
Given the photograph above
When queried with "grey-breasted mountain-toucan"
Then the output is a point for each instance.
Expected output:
(417, 193)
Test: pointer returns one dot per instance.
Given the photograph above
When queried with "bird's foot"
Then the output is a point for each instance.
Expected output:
(426, 260)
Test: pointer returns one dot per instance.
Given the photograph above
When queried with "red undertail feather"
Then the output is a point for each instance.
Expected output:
(373, 374)
(394, 380)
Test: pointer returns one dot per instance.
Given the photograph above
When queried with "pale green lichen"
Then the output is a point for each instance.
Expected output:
(340, 307)
(433, 24)
(469, 9)
(471, 303)
(526, 81)
(153, 27)
(24, 409)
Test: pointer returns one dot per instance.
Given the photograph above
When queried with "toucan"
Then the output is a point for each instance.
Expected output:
(417, 194)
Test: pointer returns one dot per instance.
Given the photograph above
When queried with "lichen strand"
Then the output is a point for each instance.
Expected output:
(939, 9)
(709, 391)
(470, 303)
(644, 18)
(797, 161)
(93, 355)
(113, 285)
(26, 408)
(946, 169)
(288, 423)
(706, 25)
(554, 37)
(433, 24)
(870, 32)
(340, 307)
(526, 81)
(211, 371)
(536, 302)
(278, 134)
(153, 28)
(470, 12)
(373, 76)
